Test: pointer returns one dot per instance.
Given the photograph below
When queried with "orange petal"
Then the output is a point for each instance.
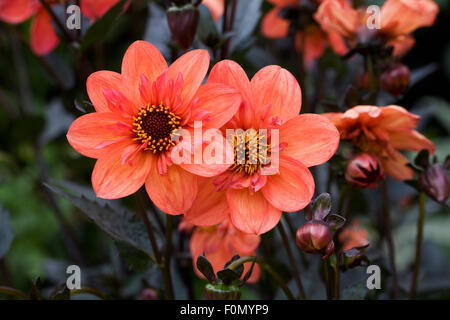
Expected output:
(243, 242)
(208, 157)
(97, 83)
(273, 26)
(210, 207)
(337, 43)
(220, 101)
(397, 168)
(173, 192)
(88, 132)
(277, 87)
(397, 118)
(403, 17)
(112, 180)
(43, 36)
(251, 213)
(16, 11)
(402, 45)
(216, 7)
(142, 59)
(311, 139)
(410, 140)
(193, 67)
(94, 9)
(292, 189)
(312, 42)
(339, 17)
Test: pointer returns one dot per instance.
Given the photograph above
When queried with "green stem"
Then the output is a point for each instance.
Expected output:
(292, 261)
(420, 223)
(326, 273)
(266, 267)
(14, 292)
(167, 258)
(89, 290)
(389, 238)
(337, 280)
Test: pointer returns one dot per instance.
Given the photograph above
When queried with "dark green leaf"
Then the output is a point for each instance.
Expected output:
(136, 259)
(322, 206)
(206, 30)
(228, 276)
(120, 224)
(205, 267)
(248, 274)
(335, 221)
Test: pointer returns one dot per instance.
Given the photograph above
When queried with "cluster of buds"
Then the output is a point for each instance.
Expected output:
(364, 170)
(183, 17)
(226, 285)
(316, 235)
(395, 79)
(433, 177)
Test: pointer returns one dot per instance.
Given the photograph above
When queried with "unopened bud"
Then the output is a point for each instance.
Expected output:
(435, 182)
(149, 294)
(395, 79)
(315, 237)
(364, 171)
(183, 23)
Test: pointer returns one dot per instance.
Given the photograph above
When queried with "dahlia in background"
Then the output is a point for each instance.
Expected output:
(382, 132)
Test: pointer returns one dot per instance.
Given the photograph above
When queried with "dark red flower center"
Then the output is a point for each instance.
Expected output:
(155, 126)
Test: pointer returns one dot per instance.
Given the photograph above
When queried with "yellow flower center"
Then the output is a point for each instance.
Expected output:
(250, 151)
(155, 126)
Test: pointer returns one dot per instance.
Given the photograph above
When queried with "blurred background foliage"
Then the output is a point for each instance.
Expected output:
(42, 233)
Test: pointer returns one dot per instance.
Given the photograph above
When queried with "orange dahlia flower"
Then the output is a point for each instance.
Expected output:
(138, 112)
(398, 19)
(220, 243)
(382, 131)
(43, 37)
(353, 236)
(251, 198)
(312, 40)
(216, 7)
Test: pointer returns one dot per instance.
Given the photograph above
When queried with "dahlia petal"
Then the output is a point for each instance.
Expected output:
(216, 8)
(101, 81)
(312, 42)
(245, 243)
(402, 44)
(251, 213)
(209, 208)
(94, 9)
(397, 118)
(90, 132)
(142, 59)
(43, 36)
(279, 88)
(338, 16)
(173, 192)
(403, 17)
(410, 140)
(292, 189)
(311, 139)
(396, 167)
(112, 180)
(220, 102)
(193, 67)
(273, 26)
(16, 11)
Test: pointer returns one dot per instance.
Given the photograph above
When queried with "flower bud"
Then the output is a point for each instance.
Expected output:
(183, 23)
(435, 182)
(221, 292)
(364, 171)
(395, 79)
(149, 294)
(315, 237)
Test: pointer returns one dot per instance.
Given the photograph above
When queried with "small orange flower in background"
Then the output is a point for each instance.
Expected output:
(254, 201)
(312, 40)
(220, 243)
(398, 18)
(382, 131)
(216, 7)
(352, 237)
(43, 36)
(137, 112)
